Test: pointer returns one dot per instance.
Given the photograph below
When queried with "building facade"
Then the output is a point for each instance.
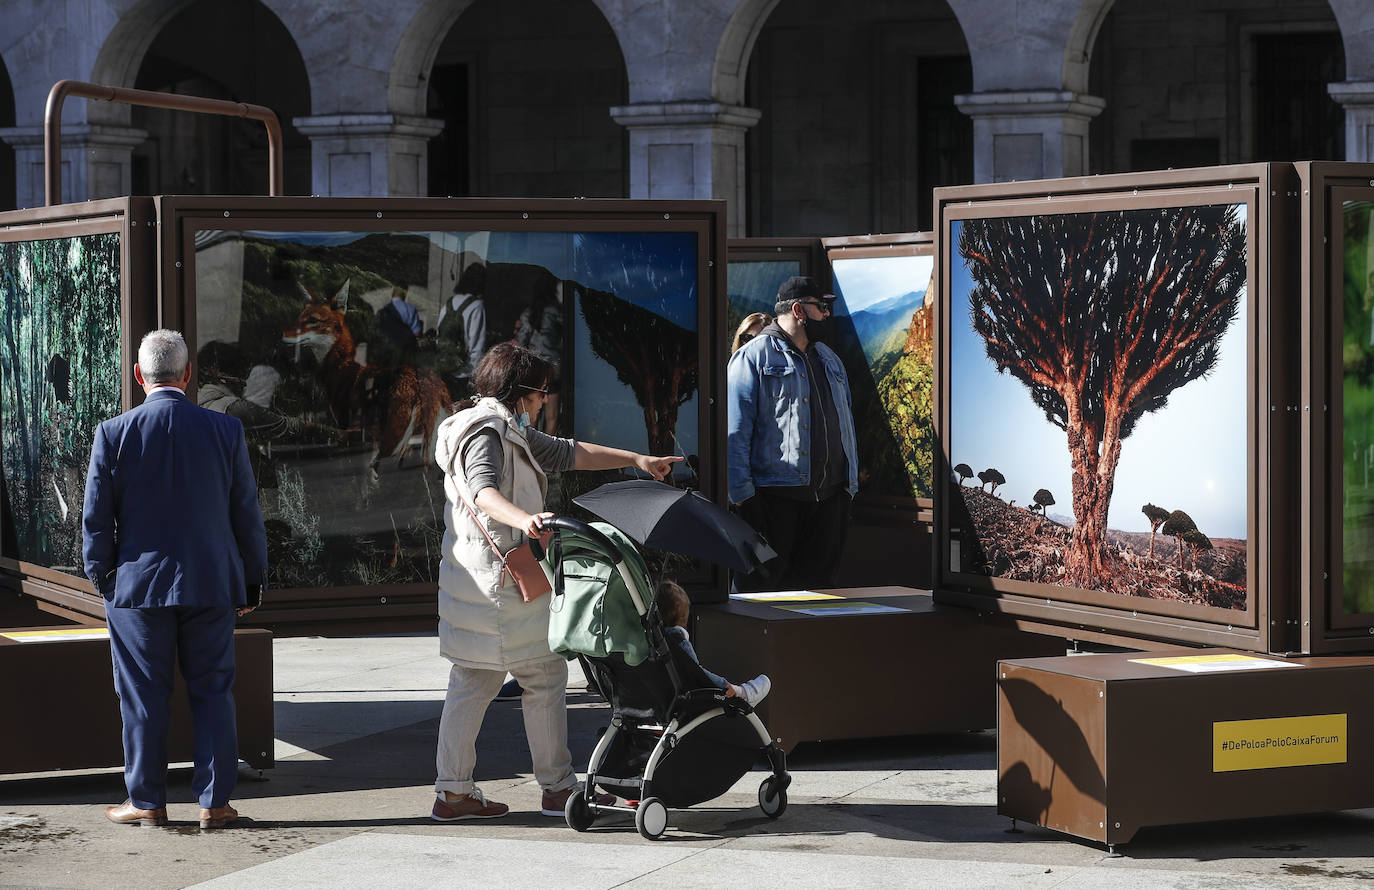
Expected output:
(810, 117)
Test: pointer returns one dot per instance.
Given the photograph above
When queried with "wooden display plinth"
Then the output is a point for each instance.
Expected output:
(60, 705)
(923, 669)
(1099, 746)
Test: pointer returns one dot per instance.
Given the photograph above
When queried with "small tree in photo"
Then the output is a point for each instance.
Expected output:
(1043, 499)
(1156, 515)
(1198, 541)
(992, 478)
(964, 471)
(1179, 524)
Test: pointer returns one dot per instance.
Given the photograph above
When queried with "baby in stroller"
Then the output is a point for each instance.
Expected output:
(674, 606)
(677, 736)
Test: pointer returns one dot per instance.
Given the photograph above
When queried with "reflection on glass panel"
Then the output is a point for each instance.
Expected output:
(59, 357)
(1357, 396)
(886, 345)
(342, 351)
(753, 287)
(1098, 410)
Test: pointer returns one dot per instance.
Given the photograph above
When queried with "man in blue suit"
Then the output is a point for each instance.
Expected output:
(173, 539)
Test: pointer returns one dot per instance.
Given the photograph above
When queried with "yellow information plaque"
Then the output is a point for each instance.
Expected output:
(1278, 741)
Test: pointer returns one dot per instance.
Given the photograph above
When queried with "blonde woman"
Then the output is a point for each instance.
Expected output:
(749, 328)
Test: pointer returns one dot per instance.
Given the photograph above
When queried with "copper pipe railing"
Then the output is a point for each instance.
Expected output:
(52, 125)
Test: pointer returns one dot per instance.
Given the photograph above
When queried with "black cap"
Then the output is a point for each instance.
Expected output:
(799, 287)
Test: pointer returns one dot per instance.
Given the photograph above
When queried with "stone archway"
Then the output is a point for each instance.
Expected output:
(1236, 82)
(239, 51)
(859, 120)
(523, 88)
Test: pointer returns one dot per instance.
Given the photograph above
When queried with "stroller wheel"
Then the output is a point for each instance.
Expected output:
(651, 818)
(772, 799)
(578, 813)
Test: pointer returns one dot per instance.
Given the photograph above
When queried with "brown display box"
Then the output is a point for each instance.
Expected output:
(925, 669)
(68, 682)
(1100, 746)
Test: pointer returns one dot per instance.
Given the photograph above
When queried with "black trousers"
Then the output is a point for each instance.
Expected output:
(809, 537)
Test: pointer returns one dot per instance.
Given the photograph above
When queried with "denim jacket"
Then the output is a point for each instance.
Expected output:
(768, 437)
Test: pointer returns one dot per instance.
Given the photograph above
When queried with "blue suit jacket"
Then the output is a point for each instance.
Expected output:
(171, 515)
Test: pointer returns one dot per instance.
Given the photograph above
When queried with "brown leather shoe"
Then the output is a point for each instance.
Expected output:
(128, 814)
(217, 817)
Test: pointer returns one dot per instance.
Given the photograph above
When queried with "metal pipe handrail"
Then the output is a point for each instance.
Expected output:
(52, 125)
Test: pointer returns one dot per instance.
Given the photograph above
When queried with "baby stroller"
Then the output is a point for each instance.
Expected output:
(674, 740)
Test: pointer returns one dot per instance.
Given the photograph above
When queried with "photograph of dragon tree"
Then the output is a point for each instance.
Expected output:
(1098, 402)
(342, 351)
(60, 377)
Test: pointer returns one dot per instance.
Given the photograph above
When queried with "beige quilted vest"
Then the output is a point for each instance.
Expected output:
(482, 621)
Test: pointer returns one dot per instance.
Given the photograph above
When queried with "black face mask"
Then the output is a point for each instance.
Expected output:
(817, 329)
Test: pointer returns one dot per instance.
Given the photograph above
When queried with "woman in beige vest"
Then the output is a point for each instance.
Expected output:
(494, 460)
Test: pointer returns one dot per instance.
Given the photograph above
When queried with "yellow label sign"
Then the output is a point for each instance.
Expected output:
(54, 636)
(1278, 741)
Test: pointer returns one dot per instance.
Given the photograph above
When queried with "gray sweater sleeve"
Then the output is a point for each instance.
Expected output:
(483, 456)
(553, 453)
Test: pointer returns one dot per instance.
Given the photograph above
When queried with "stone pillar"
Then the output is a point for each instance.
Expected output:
(689, 150)
(1032, 134)
(96, 162)
(1357, 98)
(369, 154)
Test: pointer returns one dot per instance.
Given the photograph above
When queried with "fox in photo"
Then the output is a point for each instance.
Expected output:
(391, 404)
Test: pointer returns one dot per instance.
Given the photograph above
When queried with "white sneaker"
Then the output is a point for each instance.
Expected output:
(754, 691)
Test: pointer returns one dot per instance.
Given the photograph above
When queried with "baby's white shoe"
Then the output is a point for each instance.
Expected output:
(754, 691)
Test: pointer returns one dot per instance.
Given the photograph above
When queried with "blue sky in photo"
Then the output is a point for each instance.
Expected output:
(1189, 456)
(864, 281)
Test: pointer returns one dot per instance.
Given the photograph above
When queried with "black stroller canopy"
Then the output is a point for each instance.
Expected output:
(680, 521)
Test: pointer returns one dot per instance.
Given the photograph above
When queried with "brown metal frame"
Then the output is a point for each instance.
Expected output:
(1326, 626)
(1268, 622)
(52, 125)
(336, 607)
(132, 218)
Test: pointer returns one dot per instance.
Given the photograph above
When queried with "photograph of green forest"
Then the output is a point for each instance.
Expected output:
(59, 378)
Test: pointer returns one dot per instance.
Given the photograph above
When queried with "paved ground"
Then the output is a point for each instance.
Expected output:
(346, 807)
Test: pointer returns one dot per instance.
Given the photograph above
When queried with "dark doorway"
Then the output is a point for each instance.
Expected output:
(8, 194)
(234, 50)
(450, 153)
(1295, 118)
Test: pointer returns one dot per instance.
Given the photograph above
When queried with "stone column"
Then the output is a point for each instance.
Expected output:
(1031, 134)
(96, 162)
(689, 150)
(1357, 98)
(369, 154)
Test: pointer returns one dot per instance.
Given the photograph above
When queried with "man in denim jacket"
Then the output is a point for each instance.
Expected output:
(793, 468)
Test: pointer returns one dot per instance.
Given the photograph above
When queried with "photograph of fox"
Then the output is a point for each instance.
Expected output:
(1101, 317)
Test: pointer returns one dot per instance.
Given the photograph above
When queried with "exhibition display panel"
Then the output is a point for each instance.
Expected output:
(1115, 406)
(76, 295)
(341, 331)
(1338, 406)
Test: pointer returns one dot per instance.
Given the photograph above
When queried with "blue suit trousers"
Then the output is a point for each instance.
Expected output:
(146, 646)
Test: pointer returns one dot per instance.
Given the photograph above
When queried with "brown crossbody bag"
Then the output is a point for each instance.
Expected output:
(519, 561)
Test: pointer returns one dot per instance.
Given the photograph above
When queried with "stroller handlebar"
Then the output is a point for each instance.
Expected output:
(565, 523)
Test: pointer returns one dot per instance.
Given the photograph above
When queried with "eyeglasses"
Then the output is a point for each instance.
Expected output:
(745, 338)
(542, 392)
(826, 306)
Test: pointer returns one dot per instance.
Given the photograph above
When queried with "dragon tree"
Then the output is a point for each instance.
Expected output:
(1101, 316)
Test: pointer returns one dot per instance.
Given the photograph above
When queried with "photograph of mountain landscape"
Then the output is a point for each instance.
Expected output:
(888, 304)
(1098, 401)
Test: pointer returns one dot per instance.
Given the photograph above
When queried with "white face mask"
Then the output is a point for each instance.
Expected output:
(522, 420)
